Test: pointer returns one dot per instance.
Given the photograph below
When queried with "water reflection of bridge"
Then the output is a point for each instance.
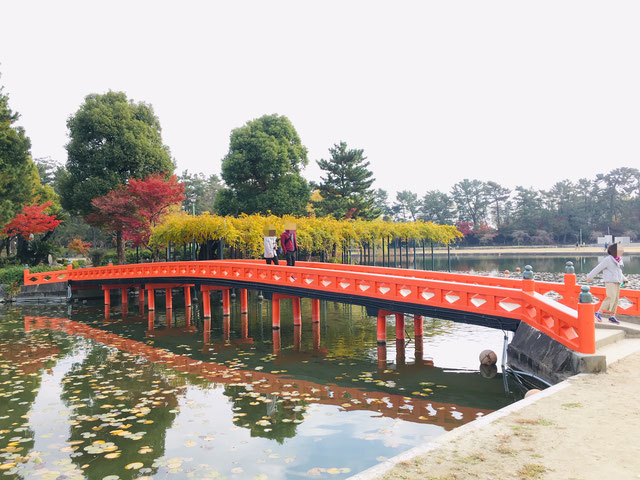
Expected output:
(446, 415)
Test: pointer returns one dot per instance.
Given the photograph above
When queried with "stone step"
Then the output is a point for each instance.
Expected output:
(607, 336)
(618, 350)
(631, 330)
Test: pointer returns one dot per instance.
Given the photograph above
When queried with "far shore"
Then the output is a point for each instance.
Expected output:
(532, 250)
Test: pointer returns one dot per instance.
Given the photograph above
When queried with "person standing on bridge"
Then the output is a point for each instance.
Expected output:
(289, 244)
(611, 268)
(270, 248)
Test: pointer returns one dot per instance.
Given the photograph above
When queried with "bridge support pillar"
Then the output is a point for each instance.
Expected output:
(275, 314)
(207, 328)
(276, 342)
(124, 298)
(226, 302)
(297, 313)
(315, 310)
(107, 296)
(382, 328)
(382, 357)
(316, 336)
(206, 304)
(399, 326)
(151, 321)
(401, 358)
(244, 325)
(141, 299)
(187, 317)
(151, 299)
(417, 326)
(169, 299)
(244, 302)
(226, 328)
(297, 338)
(187, 297)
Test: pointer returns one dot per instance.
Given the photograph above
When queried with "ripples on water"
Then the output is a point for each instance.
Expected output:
(131, 396)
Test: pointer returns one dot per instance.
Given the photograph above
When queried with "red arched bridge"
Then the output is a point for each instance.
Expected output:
(488, 301)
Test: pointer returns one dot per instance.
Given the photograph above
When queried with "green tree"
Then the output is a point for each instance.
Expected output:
(262, 169)
(497, 195)
(471, 200)
(381, 201)
(200, 191)
(406, 206)
(437, 207)
(18, 174)
(346, 190)
(112, 139)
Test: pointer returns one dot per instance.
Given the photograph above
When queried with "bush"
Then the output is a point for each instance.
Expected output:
(96, 256)
(13, 275)
(78, 263)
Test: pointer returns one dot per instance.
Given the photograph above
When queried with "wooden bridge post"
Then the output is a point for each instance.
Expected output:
(187, 297)
(586, 322)
(275, 312)
(316, 336)
(382, 328)
(151, 320)
(124, 296)
(141, 298)
(151, 295)
(417, 326)
(226, 302)
(187, 317)
(206, 302)
(276, 341)
(206, 328)
(226, 328)
(297, 338)
(244, 301)
(382, 357)
(569, 297)
(399, 326)
(169, 298)
(400, 353)
(107, 296)
(315, 310)
(244, 326)
(297, 314)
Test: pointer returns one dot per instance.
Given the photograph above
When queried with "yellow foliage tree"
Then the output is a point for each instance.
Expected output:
(325, 234)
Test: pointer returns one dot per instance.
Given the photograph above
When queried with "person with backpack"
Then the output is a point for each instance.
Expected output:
(270, 248)
(289, 244)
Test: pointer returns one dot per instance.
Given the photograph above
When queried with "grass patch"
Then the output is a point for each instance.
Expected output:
(532, 470)
(473, 459)
(505, 450)
(572, 405)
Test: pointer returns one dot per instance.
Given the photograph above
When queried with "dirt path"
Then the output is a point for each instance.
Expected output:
(589, 430)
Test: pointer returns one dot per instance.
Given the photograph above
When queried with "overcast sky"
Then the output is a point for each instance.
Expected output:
(523, 93)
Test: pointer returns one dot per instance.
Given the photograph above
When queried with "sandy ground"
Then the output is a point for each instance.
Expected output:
(589, 430)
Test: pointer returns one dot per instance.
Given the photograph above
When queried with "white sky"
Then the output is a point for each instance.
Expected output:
(523, 93)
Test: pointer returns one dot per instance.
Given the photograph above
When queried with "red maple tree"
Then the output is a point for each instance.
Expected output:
(132, 210)
(31, 221)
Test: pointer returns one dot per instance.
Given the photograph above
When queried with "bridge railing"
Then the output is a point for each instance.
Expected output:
(518, 299)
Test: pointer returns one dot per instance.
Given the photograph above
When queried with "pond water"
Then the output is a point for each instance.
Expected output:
(540, 263)
(84, 395)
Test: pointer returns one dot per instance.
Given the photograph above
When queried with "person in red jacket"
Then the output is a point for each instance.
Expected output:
(289, 244)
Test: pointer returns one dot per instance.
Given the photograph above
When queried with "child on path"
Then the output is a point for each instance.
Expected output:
(611, 268)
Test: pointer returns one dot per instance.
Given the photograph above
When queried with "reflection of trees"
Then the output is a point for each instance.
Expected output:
(22, 361)
(117, 397)
(266, 415)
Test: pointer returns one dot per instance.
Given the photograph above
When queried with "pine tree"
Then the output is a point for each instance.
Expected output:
(346, 190)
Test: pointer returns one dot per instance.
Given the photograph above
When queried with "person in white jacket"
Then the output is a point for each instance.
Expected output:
(270, 247)
(611, 268)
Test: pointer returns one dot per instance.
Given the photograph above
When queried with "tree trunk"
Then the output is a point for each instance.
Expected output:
(122, 257)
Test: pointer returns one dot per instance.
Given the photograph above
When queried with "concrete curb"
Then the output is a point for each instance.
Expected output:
(382, 468)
